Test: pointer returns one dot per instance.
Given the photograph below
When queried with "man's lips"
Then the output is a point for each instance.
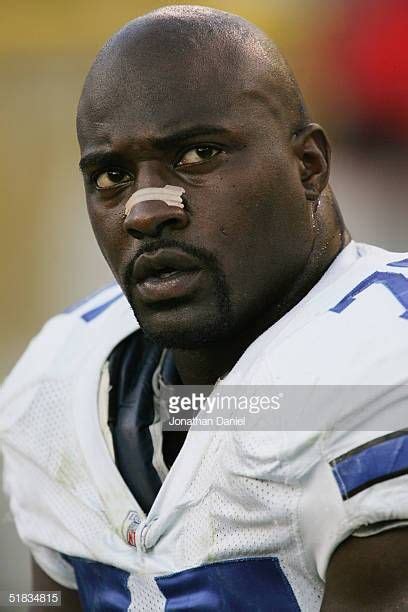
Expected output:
(165, 274)
(162, 263)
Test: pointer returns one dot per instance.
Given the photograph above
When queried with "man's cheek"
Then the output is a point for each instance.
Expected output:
(111, 241)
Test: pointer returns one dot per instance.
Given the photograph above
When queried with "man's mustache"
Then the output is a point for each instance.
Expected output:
(204, 256)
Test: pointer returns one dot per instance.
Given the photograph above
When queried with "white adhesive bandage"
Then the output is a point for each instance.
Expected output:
(169, 194)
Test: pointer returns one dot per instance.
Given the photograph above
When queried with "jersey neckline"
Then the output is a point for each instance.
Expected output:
(117, 498)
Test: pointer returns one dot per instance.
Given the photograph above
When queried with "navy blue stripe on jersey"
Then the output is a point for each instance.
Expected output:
(95, 312)
(239, 585)
(101, 587)
(399, 264)
(380, 459)
(88, 298)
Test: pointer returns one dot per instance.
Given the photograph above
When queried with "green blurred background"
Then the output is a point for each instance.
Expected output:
(351, 60)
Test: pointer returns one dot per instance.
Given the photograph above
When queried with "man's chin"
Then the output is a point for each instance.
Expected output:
(186, 323)
(185, 337)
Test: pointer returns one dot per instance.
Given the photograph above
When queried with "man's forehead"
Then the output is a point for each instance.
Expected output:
(152, 77)
(155, 108)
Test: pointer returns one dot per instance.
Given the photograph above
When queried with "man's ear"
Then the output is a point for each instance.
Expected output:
(312, 149)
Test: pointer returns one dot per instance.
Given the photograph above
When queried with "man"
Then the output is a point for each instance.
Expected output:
(206, 186)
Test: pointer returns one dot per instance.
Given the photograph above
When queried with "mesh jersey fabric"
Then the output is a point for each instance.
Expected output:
(229, 495)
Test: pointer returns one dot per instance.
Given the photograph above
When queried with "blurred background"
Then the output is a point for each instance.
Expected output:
(351, 59)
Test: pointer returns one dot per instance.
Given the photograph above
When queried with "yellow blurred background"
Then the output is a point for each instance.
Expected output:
(48, 255)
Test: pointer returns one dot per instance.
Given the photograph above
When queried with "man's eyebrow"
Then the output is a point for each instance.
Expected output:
(164, 142)
(98, 158)
(159, 142)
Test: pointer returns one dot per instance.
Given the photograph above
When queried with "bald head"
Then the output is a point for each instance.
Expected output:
(146, 55)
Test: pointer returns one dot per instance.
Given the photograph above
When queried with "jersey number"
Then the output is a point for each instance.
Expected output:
(396, 283)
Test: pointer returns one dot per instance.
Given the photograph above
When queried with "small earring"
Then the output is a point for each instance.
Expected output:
(312, 196)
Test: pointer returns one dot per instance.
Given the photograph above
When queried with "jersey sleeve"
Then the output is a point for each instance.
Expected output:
(56, 505)
(16, 396)
(20, 386)
(358, 486)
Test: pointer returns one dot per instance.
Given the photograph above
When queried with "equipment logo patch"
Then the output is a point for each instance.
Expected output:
(130, 527)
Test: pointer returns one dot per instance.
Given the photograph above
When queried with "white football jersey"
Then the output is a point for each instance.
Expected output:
(244, 520)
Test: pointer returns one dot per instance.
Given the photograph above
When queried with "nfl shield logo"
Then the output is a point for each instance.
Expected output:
(131, 536)
(130, 526)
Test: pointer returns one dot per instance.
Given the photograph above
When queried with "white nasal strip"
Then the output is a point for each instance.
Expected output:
(169, 194)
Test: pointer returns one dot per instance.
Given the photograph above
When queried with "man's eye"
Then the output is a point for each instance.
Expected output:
(111, 178)
(198, 155)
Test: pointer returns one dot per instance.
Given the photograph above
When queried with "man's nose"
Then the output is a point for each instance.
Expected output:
(150, 218)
